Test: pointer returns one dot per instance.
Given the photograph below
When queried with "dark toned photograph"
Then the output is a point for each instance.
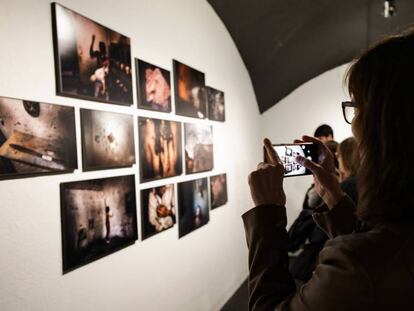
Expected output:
(215, 102)
(193, 207)
(218, 190)
(198, 148)
(107, 139)
(190, 92)
(98, 218)
(157, 210)
(159, 148)
(154, 87)
(36, 138)
(92, 61)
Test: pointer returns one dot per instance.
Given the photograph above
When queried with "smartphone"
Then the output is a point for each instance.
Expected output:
(287, 154)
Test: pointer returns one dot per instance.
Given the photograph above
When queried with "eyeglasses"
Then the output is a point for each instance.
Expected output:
(348, 109)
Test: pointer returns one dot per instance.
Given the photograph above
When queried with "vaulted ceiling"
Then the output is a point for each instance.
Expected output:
(285, 43)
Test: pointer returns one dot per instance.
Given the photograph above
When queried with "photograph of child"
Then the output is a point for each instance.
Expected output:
(157, 210)
(92, 61)
(98, 218)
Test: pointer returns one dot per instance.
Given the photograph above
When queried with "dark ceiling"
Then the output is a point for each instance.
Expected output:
(284, 43)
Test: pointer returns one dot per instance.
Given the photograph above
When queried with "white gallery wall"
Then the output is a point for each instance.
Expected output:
(198, 272)
(316, 102)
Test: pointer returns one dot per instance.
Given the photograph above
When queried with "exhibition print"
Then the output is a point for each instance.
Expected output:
(190, 92)
(198, 148)
(157, 210)
(154, 87)
(218, 190)
(98, 218)
(107, 139)
(160, 148)
(192, 205)
(215, 100)
(36, 138)
(91, 61)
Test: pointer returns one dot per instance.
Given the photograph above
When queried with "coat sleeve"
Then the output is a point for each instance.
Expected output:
(338, 283)
(339, 220)
(269, 279)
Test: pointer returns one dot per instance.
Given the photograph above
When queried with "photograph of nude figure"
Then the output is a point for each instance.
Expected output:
(98, 218)
(160, 152)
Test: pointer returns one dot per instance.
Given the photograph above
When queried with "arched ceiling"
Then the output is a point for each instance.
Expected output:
(284, 43)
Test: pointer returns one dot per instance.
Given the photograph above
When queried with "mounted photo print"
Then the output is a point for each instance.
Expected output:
(198, 148)
(160, 152)
(92, 61)
(98, 218)
(107, 139)
(36, 138)
(154, 87)
(190, 92)
(215, 100)
(192, 205)
(157, 210)
(218, 190)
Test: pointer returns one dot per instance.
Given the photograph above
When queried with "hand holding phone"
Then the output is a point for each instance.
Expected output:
(326, 180)
(266, 182)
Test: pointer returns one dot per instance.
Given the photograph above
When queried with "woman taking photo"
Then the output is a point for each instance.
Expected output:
(359, 269)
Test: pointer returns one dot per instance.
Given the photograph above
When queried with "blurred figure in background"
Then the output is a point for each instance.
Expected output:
(305, 236)
(324, 132)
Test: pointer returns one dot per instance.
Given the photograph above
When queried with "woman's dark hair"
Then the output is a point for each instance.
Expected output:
(381, 83)
(348, 151)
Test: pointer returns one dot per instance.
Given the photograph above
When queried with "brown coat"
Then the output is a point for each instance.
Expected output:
(373, 270)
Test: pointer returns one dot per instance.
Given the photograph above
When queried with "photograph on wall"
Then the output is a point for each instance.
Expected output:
(36, 138)
(157, 210)
(154, 87)
(98, 218)
(107, 139)
(198, 148)
(193, 207)
(190, 91)
(92, 61)
(215, 103)
(218, 190)
(160, 152)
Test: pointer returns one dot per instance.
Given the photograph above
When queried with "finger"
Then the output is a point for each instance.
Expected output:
(322, 148)
(271, 153)
(309, 164)
(298, 141)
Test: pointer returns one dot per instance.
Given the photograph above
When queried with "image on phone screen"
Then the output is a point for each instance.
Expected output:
(288, 154)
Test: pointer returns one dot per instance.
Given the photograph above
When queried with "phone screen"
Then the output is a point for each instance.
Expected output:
(288, 153)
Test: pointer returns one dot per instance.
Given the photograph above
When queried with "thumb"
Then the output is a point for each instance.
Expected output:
(310, 165)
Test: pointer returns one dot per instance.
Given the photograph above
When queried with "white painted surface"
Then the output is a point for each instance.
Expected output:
(197, 272)
(316, 102)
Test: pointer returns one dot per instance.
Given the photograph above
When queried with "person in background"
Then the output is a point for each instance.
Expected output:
(368, 269)
(304, 236)
(324, 133)
(348, 159)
